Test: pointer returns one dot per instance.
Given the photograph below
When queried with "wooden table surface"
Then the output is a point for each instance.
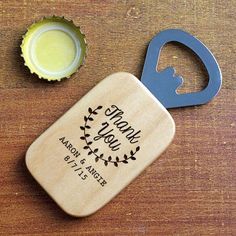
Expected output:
(191, 188)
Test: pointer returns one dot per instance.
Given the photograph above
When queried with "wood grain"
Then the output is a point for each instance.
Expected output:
(191, 188)
(101, 144)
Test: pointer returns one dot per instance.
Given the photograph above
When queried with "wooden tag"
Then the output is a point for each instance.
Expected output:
(101, 144)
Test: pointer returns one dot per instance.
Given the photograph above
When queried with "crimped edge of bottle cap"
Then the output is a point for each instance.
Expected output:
(34, 27)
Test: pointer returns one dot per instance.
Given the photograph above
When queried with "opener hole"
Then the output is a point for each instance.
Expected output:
(187, 65)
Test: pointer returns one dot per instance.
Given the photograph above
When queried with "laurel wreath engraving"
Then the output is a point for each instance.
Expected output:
(95, 152)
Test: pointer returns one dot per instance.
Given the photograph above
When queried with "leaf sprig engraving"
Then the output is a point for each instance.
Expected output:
(95, 152)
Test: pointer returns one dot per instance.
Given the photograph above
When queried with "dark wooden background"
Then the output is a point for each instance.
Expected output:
(191, 188)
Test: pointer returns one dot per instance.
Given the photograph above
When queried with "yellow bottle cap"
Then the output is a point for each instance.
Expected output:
(53, 48)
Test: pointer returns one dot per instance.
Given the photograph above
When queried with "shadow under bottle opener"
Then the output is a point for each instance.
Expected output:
(115, 131)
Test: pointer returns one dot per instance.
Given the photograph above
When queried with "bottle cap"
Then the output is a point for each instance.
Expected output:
(53, 48)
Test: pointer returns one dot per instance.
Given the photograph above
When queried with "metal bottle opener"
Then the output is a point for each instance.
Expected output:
(163, 84)
(115, 131)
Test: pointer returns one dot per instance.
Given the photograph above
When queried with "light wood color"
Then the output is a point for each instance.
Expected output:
(190, 189)
(101, 144)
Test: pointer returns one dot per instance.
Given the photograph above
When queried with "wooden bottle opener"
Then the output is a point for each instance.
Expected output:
(101, 144)
(114, 132)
